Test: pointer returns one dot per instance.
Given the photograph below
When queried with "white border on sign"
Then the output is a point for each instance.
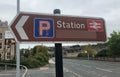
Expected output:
(9, 26)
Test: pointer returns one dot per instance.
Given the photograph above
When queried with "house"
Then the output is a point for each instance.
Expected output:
(7, 42)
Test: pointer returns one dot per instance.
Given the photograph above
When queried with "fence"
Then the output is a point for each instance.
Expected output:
(9, 70)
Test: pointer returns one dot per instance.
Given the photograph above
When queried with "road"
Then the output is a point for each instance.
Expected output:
(80, 68)
(88, 68)
(10, 73)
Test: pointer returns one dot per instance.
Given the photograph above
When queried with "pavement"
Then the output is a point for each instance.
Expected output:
(47, 71)
(79, 68)
(74, 68)
(9, 73)
(44, 71)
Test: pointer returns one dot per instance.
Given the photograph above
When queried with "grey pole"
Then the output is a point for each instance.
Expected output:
(58, 55)
(18, 6)
(88, 56)
(17, 60)
(17, 47)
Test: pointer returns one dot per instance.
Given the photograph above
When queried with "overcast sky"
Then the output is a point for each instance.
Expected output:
(107, 9)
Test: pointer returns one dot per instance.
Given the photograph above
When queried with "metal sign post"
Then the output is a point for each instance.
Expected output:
(17, 60)
(17, 47)
(58, 60)
(58, 55)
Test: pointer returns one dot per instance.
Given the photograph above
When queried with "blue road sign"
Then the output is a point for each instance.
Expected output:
(43, 28)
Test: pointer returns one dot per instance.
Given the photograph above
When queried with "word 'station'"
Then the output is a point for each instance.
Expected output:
(72, 25)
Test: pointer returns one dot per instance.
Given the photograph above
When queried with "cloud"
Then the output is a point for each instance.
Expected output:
(7, 10)
(109, 10)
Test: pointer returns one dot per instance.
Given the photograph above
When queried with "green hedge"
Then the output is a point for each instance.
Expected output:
(36, 61)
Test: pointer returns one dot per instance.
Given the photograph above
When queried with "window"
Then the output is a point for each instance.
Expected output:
(8, 55)
(0, 45)
(0, 35)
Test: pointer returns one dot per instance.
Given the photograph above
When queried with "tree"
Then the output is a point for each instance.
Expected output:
(90, 50)
(39, 57)
(114, 44)
(25, 53)
(39, 49)
(76, 46)
(102, 53)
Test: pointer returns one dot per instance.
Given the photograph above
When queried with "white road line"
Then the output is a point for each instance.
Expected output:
(72, 72)
(103, 69)
(19, 27)
(6, 74)
(104, 76)
(51, 61)
(44, 68)
(66, 70)
(86, 66)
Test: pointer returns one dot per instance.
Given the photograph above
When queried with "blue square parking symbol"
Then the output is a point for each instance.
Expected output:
(43, 28)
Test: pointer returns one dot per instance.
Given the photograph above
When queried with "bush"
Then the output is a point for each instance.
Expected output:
(38, 60)
(42, 58)
(82, 55)
(8, 61)
(30, 63)
(102, 53)
(39, 57)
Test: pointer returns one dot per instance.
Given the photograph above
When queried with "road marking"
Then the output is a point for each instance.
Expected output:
(6, 74)
(44, 68)
(93, 72)
(103, 69)
(66, 70)
(72, 72)
(86, 66)
(19, 27)
(51, 61)
(104, 76)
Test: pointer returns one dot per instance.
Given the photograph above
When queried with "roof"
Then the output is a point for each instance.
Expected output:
(3, 24)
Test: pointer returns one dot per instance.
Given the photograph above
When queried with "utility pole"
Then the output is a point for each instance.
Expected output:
(18, 6)
(17, 47)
